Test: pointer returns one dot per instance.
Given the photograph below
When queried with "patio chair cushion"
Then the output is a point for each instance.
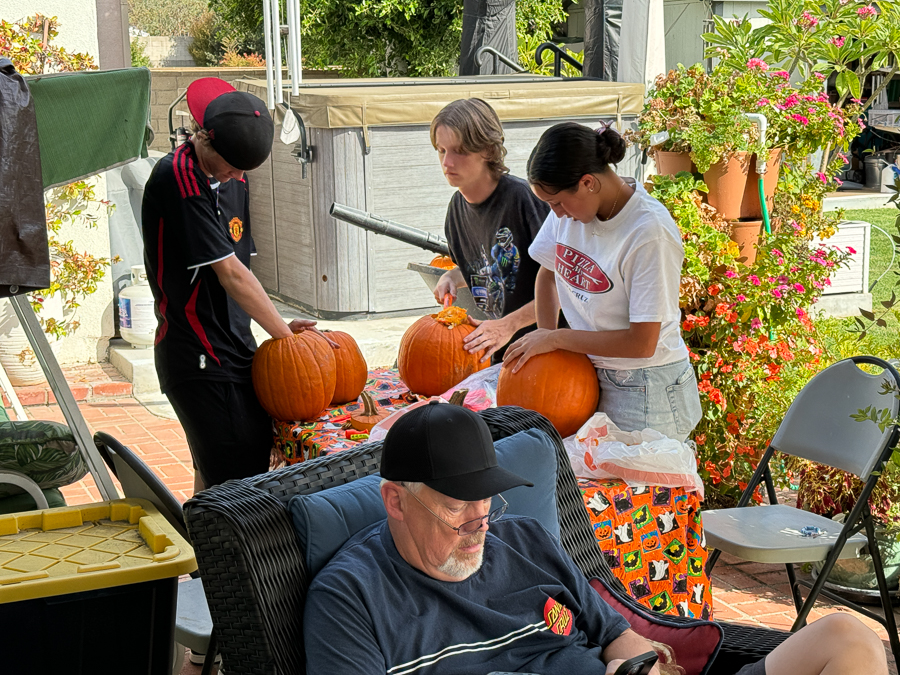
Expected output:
(694, 644)
(326, 519)
(44, 451)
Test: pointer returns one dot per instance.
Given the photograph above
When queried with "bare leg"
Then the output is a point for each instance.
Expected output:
(198, 482)
(837, 644)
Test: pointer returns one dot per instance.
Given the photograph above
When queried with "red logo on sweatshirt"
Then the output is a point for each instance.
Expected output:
(558, 617)
(580, 271)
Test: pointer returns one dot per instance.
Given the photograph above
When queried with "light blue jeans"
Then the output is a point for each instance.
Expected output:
(664, 398)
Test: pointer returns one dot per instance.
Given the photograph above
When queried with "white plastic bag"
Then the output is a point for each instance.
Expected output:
(482, 388)
(482, 394)
(601, 450)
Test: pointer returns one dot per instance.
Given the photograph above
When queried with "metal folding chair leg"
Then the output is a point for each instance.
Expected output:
(818, 588)
(211, 653)
(889, 623)
(795, 587)
(711, 561)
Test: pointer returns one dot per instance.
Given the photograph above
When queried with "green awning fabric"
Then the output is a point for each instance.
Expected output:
(90, 121)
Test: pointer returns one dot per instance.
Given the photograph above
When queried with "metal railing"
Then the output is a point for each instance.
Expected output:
(497, 59)
(559, 55)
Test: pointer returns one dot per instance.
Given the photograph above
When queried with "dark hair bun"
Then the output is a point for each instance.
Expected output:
(610, 146)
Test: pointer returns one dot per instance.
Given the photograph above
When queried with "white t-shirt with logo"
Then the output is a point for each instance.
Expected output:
(615, 272)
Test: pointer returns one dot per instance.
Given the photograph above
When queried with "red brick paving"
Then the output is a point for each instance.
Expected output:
(744, 592)
(89, 381)
(758, 594)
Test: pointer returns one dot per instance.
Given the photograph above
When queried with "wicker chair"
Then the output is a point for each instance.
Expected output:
(255, 577)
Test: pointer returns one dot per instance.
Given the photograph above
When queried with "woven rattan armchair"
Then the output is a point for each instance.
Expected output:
(254, 573)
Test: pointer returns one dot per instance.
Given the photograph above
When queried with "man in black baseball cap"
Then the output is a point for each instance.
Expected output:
(197, 250)
(445, 585)
(448, 450)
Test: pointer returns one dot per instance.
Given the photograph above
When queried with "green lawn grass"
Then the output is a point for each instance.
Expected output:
(884, 342)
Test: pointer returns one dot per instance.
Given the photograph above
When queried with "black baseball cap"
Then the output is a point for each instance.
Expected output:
(450, 449)
(239, 125)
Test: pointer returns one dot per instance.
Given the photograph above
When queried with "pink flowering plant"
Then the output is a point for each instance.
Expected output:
(801, 118)
(671, 106)
(848, 40)
(748, 327)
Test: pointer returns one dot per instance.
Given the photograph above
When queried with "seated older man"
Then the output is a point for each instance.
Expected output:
(431, 591)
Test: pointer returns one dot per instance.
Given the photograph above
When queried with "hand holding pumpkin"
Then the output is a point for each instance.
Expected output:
(488, 335)
(300, 325)
(539, 341)
(560, 385)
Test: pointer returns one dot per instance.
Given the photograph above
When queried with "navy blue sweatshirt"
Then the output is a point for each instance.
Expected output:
(528, 609)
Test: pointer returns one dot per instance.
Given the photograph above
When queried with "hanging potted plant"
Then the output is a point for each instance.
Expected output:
(722, 142)
(670, 110)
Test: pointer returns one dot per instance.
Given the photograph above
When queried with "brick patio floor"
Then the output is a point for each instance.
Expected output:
(743, 592)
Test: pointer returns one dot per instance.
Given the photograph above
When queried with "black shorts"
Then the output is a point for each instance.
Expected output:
(758, 668)
(229, 433)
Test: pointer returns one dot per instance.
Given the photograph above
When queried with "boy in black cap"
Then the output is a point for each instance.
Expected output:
(197, 248)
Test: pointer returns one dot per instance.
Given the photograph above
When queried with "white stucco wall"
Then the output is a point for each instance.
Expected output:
(77, 19)
(89, 343)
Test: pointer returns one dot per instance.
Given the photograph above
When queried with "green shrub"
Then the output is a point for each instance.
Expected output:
(206, 49)
(139, 58)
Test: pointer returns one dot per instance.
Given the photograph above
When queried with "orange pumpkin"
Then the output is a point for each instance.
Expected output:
(562, 386)
(294, 377)
(432, 358)
(351, 371)
(444, 262)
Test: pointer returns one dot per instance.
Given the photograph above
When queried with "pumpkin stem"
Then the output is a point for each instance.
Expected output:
(458, 397)
(369, 405)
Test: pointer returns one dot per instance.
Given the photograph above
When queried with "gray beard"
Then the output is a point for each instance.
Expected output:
(462, 566)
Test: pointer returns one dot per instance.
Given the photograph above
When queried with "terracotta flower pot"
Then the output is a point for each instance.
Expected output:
(745, 233)
(750, 207)
(726, 182)
(670, 163)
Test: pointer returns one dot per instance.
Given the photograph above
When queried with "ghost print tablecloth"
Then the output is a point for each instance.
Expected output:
(652, 539)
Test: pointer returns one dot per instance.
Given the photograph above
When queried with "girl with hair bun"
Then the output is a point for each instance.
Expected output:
(610, 258)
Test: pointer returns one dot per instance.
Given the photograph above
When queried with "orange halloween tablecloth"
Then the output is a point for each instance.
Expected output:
(300, 441)
(652, 538)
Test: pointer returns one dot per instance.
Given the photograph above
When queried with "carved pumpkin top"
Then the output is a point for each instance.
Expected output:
(452, 317)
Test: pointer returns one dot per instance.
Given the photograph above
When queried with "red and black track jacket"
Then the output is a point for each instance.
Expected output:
(188, 224)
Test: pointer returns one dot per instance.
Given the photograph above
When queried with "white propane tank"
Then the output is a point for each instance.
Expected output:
(137, 322)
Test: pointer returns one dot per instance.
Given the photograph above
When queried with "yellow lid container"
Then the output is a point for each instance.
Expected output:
(83, 548)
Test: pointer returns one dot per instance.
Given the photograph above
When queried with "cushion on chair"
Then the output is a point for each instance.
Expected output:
(695, 645)
(46, 452)
(325, 520)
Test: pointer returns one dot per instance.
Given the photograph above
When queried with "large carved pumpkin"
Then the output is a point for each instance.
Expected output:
(351, 371)
(560, 385)
(294, 377)
(432, 358)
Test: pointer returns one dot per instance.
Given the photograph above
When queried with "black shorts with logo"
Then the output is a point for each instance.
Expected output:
(229, 433)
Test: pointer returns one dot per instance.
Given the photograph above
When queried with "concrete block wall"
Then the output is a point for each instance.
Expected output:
(168, 51)
(167, 84)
